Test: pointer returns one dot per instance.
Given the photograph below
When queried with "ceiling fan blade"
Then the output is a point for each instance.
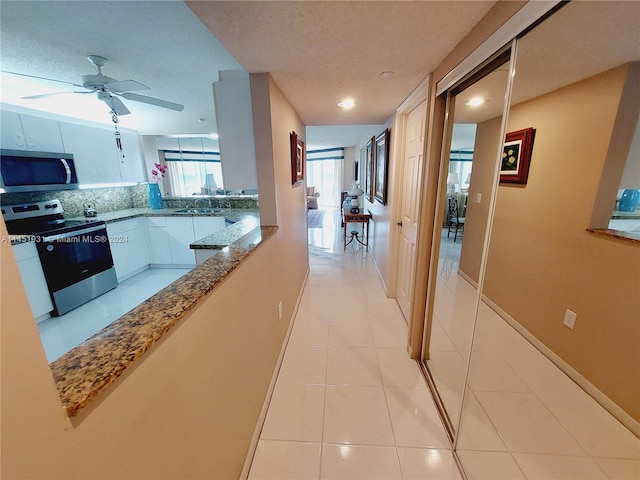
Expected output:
(125, 86)
(153, 101)
(114, 102)
(42, 78)
(45, 95)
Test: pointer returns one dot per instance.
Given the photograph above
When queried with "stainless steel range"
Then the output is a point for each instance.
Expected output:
(75, 255)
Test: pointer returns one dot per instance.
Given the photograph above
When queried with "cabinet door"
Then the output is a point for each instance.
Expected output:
(128, 243)
(94, 150)
(180, 231)
(33, 278)
(11, 134)
(203, 226)
(133, 167)
(41, 134)
(159, 253)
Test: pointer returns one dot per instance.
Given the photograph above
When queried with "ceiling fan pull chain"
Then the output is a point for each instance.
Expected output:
(119, 143)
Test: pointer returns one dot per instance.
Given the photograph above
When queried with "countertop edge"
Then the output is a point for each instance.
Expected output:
(87, 370)
(617, 234)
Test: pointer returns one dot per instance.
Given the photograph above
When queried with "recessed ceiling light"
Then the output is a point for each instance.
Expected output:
(476, 101)
(347, 103)
(387, 74)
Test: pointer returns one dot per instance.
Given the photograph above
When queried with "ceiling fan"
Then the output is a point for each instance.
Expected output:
(107, 89)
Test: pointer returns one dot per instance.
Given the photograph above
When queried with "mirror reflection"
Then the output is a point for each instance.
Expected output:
(464, 220)
(195, 167)
(558, 316)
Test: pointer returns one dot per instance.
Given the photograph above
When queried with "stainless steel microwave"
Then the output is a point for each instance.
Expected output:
(28, 171)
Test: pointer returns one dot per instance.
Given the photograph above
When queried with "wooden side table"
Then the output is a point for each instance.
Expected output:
(362, 218)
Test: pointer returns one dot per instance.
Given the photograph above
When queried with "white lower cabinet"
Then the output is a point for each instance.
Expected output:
(33, 278)
(129, 245)
(169, 240)
(170, 237)
(180, 233)
(203, 226)
(158, 241)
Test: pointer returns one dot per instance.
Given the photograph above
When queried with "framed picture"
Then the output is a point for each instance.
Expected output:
(516, 156)
(297, 159)
(368, 170)
(382, 166)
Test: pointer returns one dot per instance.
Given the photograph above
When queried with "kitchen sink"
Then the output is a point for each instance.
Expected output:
(199, 210)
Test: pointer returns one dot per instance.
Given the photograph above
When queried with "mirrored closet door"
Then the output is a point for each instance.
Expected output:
(464, 201)
(534, 370)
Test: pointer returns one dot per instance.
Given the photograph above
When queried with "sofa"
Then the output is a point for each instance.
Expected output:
(312, 198)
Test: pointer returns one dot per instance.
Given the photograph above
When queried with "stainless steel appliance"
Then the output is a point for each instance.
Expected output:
(28, 171)
(75, 255)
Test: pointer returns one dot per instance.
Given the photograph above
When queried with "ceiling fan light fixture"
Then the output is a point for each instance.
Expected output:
(347, 103)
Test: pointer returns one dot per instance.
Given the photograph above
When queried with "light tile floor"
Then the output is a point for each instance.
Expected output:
(522, 416)
(349, 403)
(61, 334)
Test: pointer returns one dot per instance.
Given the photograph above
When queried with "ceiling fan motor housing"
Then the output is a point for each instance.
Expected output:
(95, 82)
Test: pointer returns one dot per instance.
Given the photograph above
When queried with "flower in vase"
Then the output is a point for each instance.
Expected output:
(158, 172)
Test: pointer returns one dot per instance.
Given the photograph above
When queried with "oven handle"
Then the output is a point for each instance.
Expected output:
(75, 233)
(67, 170)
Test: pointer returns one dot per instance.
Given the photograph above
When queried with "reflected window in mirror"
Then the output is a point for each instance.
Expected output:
(193, 173)
(193, 163)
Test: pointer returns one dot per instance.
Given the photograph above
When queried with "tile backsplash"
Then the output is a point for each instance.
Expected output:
(103, 199)
(120, 198)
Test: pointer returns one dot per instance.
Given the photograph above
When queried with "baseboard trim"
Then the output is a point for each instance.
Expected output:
(609, 405)
(623, 417)
(272, 385)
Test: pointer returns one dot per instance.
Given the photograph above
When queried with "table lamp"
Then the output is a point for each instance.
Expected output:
(452, 181)
(354, 192)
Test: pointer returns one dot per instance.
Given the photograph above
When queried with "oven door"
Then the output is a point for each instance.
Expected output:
(77, 265)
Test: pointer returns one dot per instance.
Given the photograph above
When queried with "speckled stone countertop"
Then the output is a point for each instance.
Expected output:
(234, 214)
(84, 372)
(607, 232)
(245, 220)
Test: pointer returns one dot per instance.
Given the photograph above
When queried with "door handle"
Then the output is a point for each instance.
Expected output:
(399, 224)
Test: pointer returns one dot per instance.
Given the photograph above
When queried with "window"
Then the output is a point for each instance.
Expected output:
(193, 173)
(324, 169)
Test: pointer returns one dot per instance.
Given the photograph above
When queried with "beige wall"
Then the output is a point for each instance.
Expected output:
(484, 159)
(541, 259)
(188, 408)
(383, 216)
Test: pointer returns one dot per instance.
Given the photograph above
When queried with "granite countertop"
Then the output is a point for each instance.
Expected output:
(84, 372)
(608, 232)
(244, 221)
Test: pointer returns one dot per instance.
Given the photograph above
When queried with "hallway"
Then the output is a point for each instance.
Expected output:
(348, 402)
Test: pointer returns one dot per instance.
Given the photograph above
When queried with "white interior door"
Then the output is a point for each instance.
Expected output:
(411, 175)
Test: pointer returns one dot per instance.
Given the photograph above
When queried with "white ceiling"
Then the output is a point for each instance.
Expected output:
(161, 44)
(318, 52)
(323, 51)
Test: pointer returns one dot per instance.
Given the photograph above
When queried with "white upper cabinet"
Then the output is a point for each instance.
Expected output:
(132, 169)
(94, 148)
(26, 132)
(94, 151)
